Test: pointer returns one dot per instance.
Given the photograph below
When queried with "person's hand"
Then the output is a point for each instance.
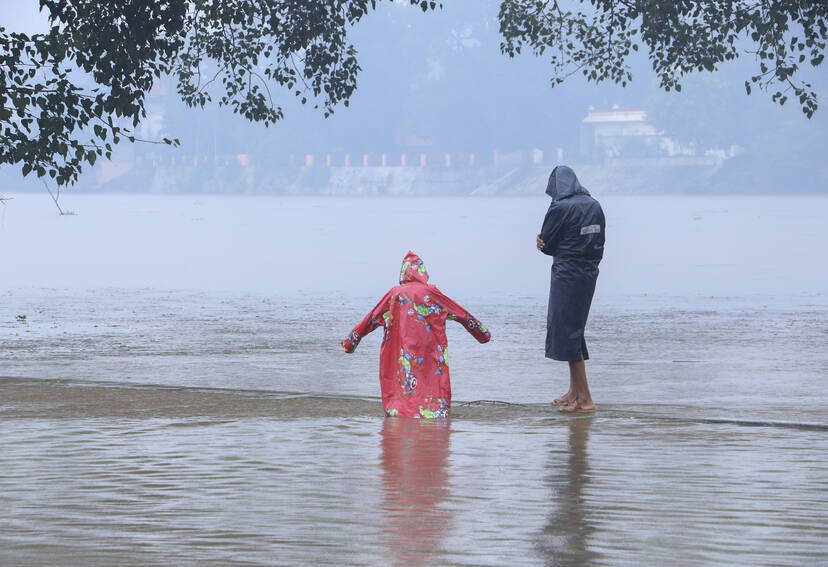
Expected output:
(539, 243)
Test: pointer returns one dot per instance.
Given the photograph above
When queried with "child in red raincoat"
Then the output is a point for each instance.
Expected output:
(414, 371)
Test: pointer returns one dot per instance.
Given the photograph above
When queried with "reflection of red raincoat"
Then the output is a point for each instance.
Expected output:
(415, 459)
(414, 372)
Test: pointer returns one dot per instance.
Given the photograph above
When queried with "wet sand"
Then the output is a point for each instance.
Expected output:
(752, 358)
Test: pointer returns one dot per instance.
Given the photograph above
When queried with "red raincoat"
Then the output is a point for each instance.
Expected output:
(414, 371)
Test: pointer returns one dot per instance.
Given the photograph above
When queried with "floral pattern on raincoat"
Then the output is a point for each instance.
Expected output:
(414, 361)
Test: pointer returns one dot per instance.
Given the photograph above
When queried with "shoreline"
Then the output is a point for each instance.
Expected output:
(55, 398)
(657, 176)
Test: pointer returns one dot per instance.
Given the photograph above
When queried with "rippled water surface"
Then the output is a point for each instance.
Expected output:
(146, 425)
(156, 428)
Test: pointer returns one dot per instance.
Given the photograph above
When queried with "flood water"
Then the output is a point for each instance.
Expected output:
(172, 391)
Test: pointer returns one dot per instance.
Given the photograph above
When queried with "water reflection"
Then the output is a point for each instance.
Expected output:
(414, 484)
(564, 539)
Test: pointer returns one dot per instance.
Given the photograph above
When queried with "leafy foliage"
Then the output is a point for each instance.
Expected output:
(67, 96)
(681, 36)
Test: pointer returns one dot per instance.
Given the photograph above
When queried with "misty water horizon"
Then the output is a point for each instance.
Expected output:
(662, 245)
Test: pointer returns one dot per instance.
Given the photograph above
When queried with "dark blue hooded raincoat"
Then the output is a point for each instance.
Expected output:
(572, 232)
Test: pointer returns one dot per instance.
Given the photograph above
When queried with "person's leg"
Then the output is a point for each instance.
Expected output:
(569, 396)
(579, 397)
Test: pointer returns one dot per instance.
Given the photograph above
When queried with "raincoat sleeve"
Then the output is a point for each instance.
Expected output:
(456, 313)
(368, 324)
(552, 229)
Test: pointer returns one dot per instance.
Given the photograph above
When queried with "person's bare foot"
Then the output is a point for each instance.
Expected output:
(578, 407)
(564, 400)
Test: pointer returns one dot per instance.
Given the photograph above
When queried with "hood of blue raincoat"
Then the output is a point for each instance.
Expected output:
(413, 269)
(563, 183)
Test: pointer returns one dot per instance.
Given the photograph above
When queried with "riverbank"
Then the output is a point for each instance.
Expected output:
(515, 176)
(622, 177)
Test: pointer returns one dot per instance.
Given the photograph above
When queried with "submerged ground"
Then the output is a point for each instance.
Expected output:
(205, 414)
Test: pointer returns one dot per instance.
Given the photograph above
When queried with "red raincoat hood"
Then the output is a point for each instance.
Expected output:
(413, 269)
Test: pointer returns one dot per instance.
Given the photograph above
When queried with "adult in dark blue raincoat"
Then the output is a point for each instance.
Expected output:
(573, 233)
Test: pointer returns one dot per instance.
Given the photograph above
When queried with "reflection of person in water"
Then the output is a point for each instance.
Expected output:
(414, 484)
(564, 539)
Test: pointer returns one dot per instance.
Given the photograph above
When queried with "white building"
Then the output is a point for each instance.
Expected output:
(621, 132)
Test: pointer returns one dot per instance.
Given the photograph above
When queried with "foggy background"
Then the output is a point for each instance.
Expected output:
(432, 84)
(437, 84)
